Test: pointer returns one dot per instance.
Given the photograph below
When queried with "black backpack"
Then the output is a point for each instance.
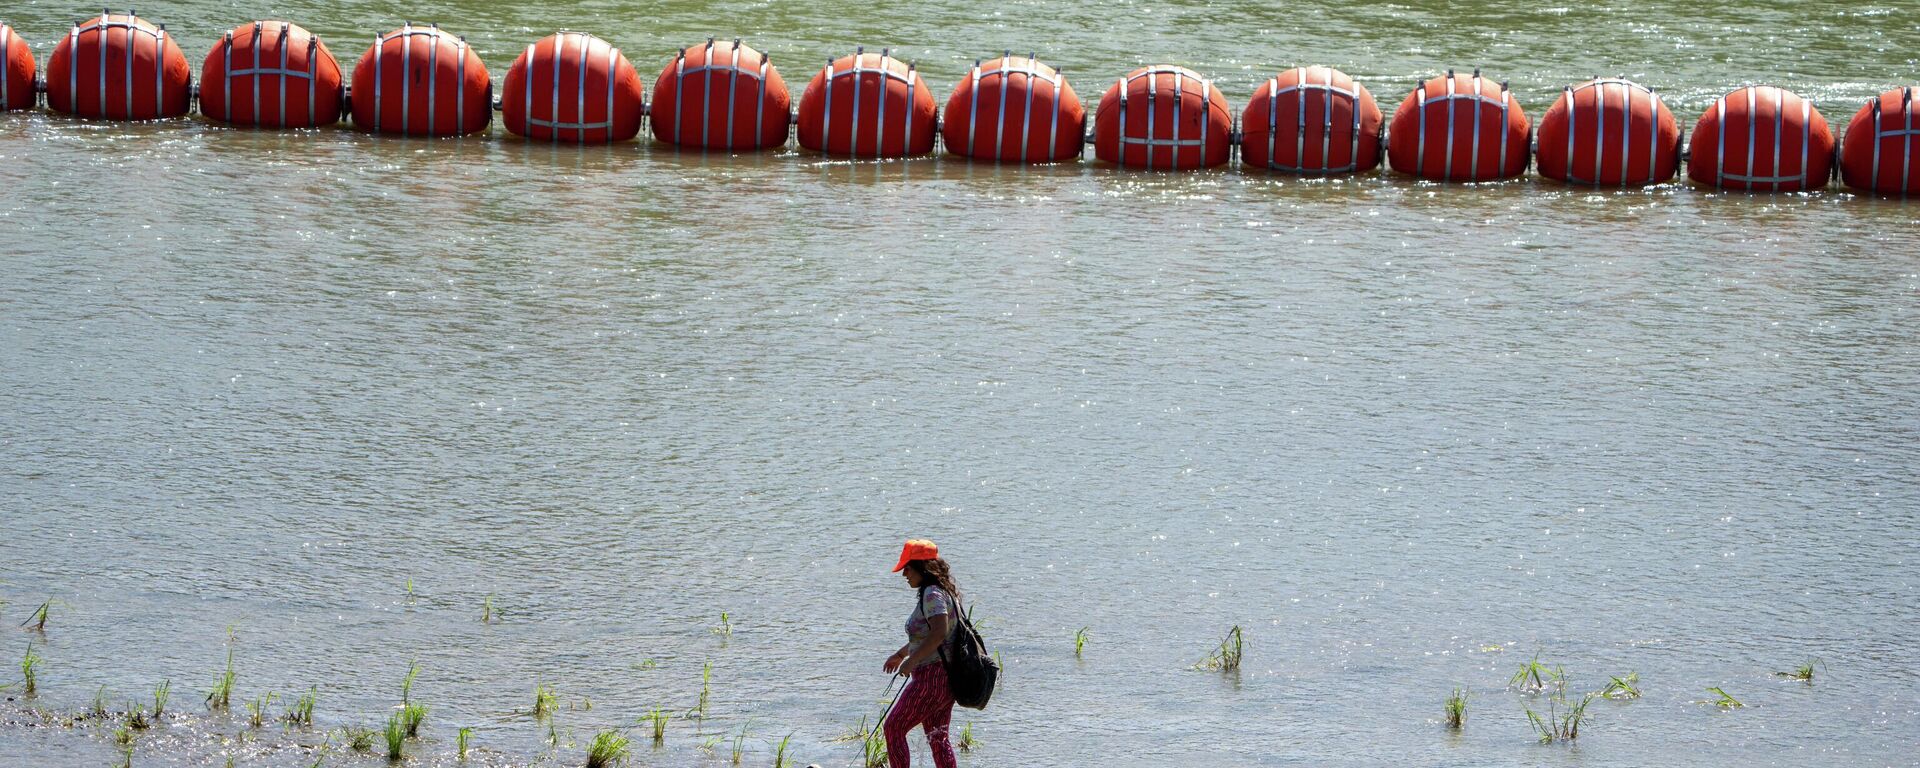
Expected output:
(971, 671)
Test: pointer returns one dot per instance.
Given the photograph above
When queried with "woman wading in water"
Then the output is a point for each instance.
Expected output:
(926, 700)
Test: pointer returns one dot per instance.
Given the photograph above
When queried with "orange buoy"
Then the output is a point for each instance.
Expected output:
(421, 81)
(16, 72)
(1609, 132)
(572, 87)
(1314, 120)
(1460, 128)
(1013, 109)
(1878, 153)
(272, 74)
(117, 66)
(721, 96)
(1761, 138)
(1163, 117)
(869, 105)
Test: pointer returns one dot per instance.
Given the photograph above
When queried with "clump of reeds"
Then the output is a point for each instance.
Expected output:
(1562, 721)
(99, 708)
(873, 746)
(1725, 700)
(1080, 641)
(396, 736)
(739, 743)
(780, 751)
(486, 609)
(658, 719)
(411, 716)
(160, 697)
(1226, 657)
(1622, 688)
(726, 625)
(1534, 676)
(30, 670)
(461, 740)
(301, 713)
(608, 748)
(966, 742)
(221, 696)
(37, 621)
(137, 719)
(545, 701)
(1456, 709)
(359, 739)
(1803, 673)
(706, 690)
(257, 710)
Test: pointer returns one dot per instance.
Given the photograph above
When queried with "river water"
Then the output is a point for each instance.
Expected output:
(254, 386)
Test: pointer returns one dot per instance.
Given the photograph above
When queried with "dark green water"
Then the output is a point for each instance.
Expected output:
(1405, 434)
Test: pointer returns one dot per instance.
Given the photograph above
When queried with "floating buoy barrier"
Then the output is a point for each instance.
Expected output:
(1014, 109)
(271, 74)
(721, 96)
(1316, 120)
(421, 81)
(1762, 138)
(1610, 132)
(572, 87)
(16, 72)
(1878, 154)
(1163, 117)
(117, 66)
(867, 105)
(1311, 120)
(1460, 128)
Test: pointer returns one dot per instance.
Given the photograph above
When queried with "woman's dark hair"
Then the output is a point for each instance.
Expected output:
(936, 570)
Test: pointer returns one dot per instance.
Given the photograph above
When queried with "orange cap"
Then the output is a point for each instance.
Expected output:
(916, 549)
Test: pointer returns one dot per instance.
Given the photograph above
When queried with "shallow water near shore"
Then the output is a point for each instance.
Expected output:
(253, 385)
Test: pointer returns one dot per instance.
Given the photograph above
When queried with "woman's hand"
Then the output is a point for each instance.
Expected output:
(894, 661)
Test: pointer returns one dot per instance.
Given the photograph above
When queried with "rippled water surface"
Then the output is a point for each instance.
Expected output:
(253, 385)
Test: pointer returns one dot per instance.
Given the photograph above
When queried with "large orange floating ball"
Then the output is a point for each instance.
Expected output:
(117, 66)
(1879, 153)
(572, 87)
(867, 105)
(421, 81)
(721, 96)
(1163, 117)
(1761, 138)
(1609, 132)
(16, 71)
(272, 74)
(1017, 110)
(1313, 120)
(1459, 128)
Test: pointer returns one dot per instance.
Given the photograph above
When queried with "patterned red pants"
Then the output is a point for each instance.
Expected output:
(925, 701)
